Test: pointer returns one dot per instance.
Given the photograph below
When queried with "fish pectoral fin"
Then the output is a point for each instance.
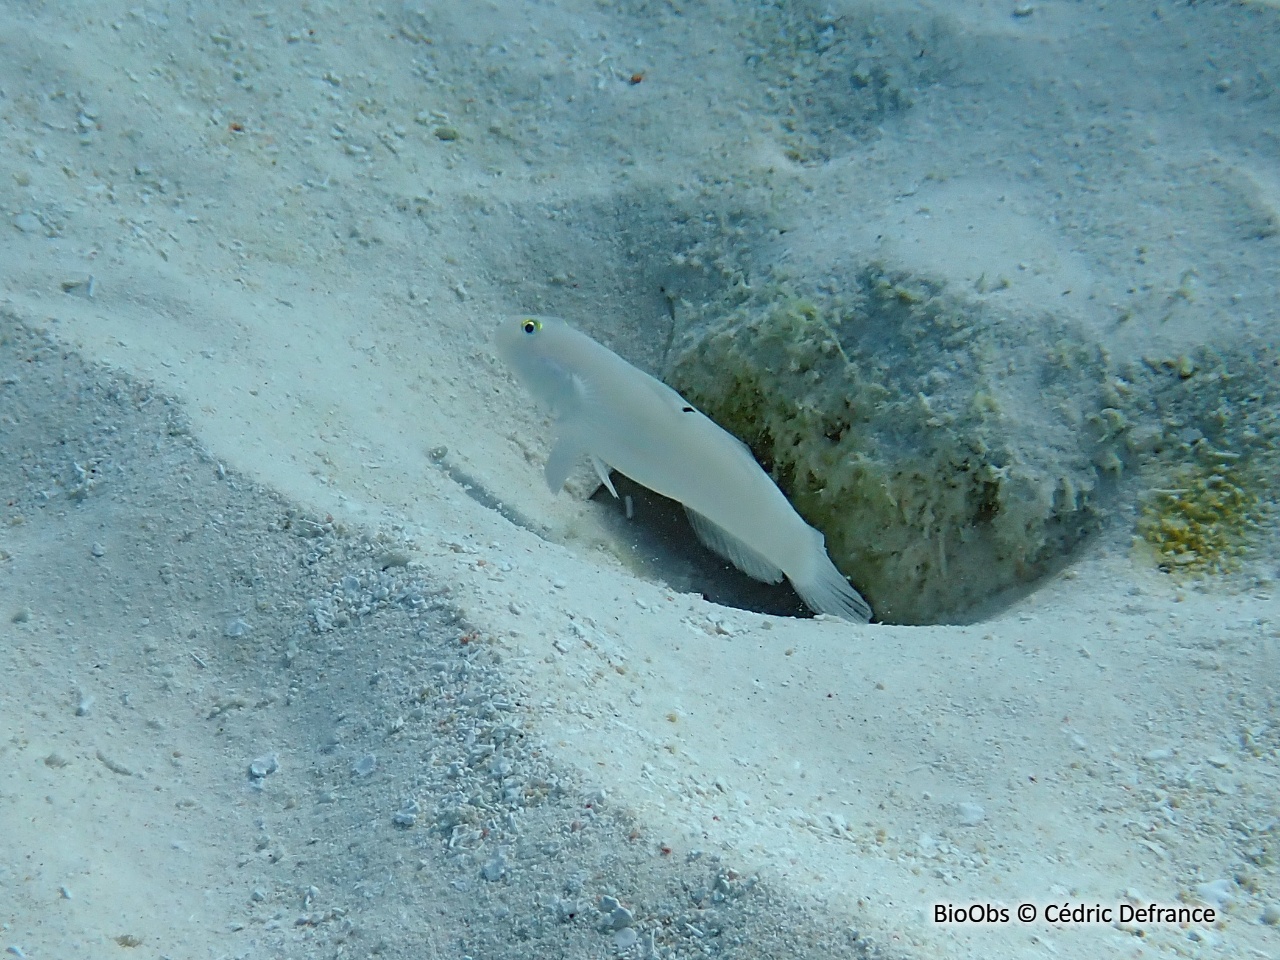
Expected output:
(565, 452)
(602, 471)
(719, 540)
(571, 445)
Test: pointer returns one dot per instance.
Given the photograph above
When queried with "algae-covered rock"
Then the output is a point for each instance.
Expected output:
(948, 453)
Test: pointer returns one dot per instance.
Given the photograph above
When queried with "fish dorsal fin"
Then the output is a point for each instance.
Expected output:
(719, 540)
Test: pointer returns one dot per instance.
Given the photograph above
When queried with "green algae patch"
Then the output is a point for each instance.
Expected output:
(950, 455)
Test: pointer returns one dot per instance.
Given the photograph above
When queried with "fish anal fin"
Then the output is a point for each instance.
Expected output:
(720, 541)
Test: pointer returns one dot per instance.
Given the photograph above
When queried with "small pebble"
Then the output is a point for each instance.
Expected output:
(263, 767)
(625, 939)
(616, 916)
(115, 766)
(394, 558)
(80, 287)
(495, 868)
(566, 910)
(970, 814)
(1271, 915)
(1216, 892)
(365, 765)
(236, 628)
(407, 815)
(98, 549)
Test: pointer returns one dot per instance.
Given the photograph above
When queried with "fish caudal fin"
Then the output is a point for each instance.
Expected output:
(824, 589)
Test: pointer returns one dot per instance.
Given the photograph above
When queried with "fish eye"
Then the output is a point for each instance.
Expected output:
(531, 326)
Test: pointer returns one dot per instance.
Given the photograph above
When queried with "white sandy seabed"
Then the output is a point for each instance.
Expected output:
(389, 719)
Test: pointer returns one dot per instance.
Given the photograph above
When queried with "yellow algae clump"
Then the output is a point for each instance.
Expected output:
(1205, 521)
(1207, 497)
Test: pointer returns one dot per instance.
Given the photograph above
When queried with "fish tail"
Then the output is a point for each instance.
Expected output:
(824, 589)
